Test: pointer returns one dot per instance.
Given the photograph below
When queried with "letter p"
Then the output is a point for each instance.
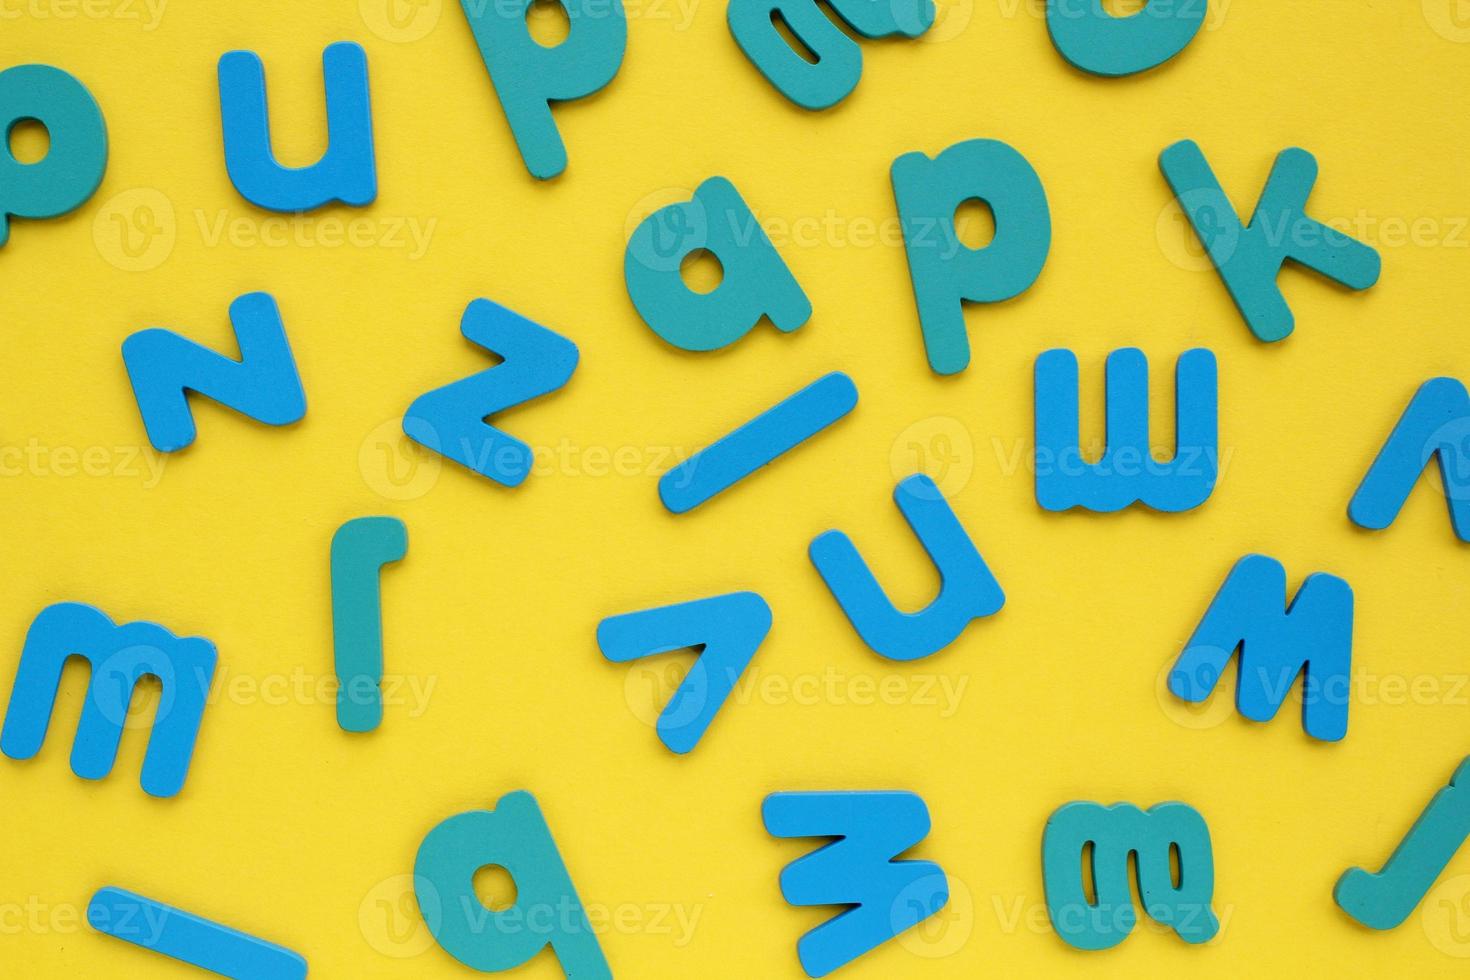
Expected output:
(528, 76)
(945, 271)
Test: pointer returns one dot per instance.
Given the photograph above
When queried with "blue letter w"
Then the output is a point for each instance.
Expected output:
(1127, 473)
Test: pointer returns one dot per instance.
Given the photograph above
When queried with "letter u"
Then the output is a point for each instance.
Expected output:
(347, 172)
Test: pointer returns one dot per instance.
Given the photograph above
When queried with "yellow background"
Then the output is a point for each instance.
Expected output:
(292, 830)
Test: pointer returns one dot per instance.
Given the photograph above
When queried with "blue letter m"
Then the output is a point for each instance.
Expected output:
(1314, 635)
(120, 656)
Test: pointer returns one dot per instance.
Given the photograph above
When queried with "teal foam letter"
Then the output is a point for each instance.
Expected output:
(69, 173)
(547, 911)
(528, 76)
(1385, 899)
(945, 271)
(755, 282)
(1095, 41)
(1250, 258)
(829, 79)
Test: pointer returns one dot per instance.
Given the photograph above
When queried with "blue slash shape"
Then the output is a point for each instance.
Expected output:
(120, 657)
(1095, 41)
(452, 420)
(1115, 834)
(858, 869)
(1385, 899)
(186, 937)
(164, 367)
(347, 172)
(757, 443)
(967, 590)
(1127, 474)
(1436, 424)
(727, 629)
(1312, 636)
(360, 549)
(1249, 259)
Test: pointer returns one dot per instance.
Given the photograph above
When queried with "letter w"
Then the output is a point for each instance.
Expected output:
(1313, 636)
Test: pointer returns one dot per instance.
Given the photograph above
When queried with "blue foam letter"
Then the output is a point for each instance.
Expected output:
(190, 939)
(945, 271)
(360, 549)
(755, 283)
(758, 443)
(1385, 899)
(1127, 473)
(76, 159)
(451, 420)
(967, 590)
(164, 367)
(547, 911)
(858, 869)
(528, 76)
(347, 172)
(1435, 424)
(1095, 41)
(838, 61)
(120, 656)
(1313, 635)
(728, 629)
(1250, 258)
(1115, 832)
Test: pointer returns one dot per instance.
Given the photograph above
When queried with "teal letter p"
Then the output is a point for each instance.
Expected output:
(528, 77)
(945, 271)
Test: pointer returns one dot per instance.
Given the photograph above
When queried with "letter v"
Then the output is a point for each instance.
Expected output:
(452, 420)
(729, 628)
(263, 384)
(967, 589)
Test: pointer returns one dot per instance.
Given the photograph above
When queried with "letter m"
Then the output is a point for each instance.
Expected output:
(885, 896)
(1312, 636)
(120, 657)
